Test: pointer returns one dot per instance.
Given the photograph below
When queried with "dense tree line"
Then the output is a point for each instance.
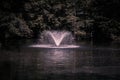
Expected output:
(97, 19)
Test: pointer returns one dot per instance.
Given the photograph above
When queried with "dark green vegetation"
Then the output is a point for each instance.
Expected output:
(96, 19)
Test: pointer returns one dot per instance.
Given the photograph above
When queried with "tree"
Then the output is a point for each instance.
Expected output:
(82, 17)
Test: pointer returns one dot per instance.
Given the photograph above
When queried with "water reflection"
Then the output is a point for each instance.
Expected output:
(57, 60)
(57, 56)
(60, 64)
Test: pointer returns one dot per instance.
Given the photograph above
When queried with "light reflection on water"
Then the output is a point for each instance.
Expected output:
(57, 56)
(38, 64)
(57, 60)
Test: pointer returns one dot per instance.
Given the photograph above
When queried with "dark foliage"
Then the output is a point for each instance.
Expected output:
(84, 18)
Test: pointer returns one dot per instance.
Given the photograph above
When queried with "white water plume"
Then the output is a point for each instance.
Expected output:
(55, 39)
(58, 37)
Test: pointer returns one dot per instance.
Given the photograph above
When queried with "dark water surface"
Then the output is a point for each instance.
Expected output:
(84, 63)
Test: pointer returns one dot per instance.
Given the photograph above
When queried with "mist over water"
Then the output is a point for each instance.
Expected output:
(56, 39)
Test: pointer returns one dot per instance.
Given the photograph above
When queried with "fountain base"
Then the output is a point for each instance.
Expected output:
(53, 46)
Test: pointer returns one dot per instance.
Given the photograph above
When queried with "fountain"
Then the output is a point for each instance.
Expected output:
(55, 39)
(58, 37)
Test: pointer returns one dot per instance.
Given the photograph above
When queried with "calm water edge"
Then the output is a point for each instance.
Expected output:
(88, 62)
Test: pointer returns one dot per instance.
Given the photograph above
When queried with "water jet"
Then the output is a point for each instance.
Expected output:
(55, 39)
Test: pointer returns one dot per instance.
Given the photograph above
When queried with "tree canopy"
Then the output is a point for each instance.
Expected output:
(89, 18)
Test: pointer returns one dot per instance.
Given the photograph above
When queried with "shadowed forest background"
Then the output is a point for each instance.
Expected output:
(98, 20)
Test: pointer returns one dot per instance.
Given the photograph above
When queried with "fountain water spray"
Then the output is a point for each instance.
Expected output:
(55, 39)
(58, 37)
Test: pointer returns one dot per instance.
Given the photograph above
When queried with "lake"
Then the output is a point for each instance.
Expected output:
(88, 62)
